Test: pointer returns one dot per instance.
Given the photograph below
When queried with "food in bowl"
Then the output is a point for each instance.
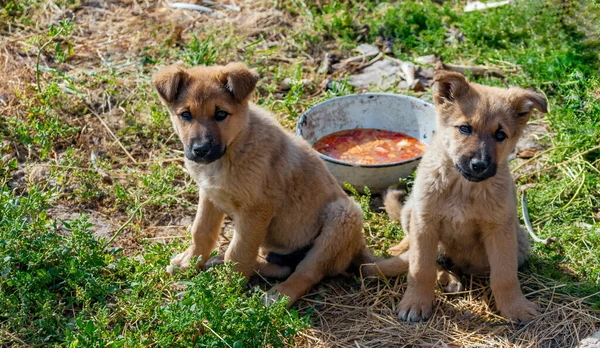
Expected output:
(369, 146)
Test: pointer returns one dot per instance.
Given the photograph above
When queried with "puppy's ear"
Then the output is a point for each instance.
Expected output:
(450, 86)
(528, 101)
(239, 80)
(168, 82)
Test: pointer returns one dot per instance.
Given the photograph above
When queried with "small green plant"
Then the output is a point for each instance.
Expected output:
(364, 200)
(62, 30)
(7, 164)
(339, 88)
(200, 52)
(294, 95)
(379, 232)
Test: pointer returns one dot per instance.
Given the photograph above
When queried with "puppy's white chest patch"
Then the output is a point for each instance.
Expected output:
(456, 211)
(467, 202)
(464, 202)
(213, 184)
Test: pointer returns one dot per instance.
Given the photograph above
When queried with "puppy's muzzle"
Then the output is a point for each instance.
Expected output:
(204, 152)
(476, 169)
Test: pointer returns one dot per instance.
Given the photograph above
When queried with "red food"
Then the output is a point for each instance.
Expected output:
(370, 146)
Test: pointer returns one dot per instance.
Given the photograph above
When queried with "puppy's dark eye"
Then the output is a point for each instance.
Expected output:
(521, 114)
(220, 115)
(500, 136)
(465, 129)
(186, 116)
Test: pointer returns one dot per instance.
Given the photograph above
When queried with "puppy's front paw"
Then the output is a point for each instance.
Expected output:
(182, 260)
(415, 307)
(214, 261)
(520, 310)
(272, 296)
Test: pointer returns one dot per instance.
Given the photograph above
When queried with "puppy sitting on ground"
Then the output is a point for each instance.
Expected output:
(278, 192)
(463, 205)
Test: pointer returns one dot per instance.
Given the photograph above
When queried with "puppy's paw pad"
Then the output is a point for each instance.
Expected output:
(453, 286)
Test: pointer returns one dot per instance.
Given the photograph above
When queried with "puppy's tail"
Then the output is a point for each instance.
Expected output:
(397, 264)
(380, 266)
(394, 266)
(391, 203)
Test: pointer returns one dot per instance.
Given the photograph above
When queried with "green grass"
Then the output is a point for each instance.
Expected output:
(64, 287)
(67, 286)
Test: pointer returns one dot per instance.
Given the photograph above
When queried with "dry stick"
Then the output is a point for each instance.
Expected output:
(216, 334)
(475, 70)
(545, 289)
(575, 194)
(15, 338)
(66, 167)
(372, 61)
(110, 132)
(332, 304)
(360, 57)
(228, 7)
(528, 223)
(185, 6)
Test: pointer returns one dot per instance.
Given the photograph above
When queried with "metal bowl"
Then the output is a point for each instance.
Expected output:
(392, 112)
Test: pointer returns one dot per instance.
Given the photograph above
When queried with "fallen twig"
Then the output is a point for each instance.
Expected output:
(15, 338)
(372, 61)
(571, 159)
(214, 333)
(228, 7)
(475, 70)
(110, 132)
(193, 7)
(357, 58)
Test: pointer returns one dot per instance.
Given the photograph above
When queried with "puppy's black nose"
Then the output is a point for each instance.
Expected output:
(479, 166)
(201, 150)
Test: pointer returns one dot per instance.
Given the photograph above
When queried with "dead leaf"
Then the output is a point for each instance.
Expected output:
(527, 153)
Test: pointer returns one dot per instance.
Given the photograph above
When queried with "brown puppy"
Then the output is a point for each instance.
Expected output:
(272, 184)
(463, 205)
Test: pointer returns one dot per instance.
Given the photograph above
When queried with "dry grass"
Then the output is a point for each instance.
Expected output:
(114, 37)
(365, 317)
